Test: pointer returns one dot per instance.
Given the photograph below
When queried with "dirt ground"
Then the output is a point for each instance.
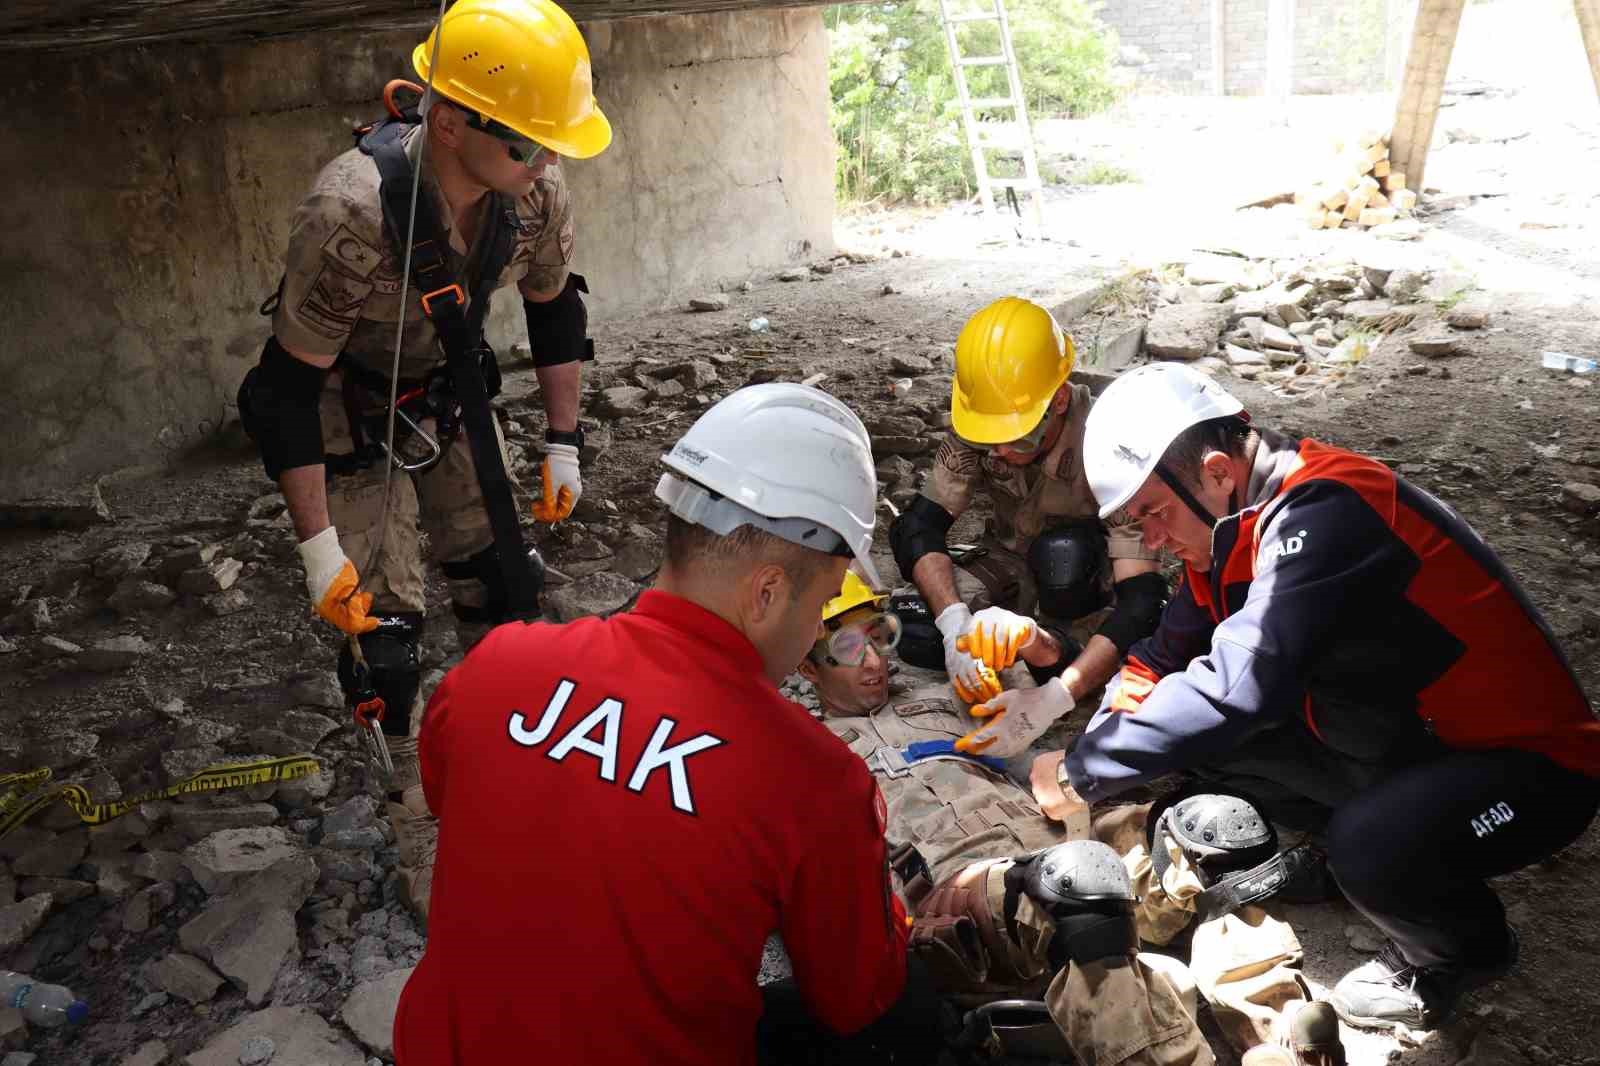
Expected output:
(1487, 430)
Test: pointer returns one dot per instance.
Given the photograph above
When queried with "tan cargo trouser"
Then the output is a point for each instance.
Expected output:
(1246, 964)
(446, 499)
(1124, 1012)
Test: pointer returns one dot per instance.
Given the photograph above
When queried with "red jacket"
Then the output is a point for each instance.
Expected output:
(1343, 594)
(627, 809)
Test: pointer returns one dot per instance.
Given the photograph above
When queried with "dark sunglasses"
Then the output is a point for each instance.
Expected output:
(521, 149)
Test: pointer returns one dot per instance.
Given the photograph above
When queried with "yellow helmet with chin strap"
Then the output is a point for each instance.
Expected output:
(845, 643)
(853, 594)
(1011, 357)
(523, 64)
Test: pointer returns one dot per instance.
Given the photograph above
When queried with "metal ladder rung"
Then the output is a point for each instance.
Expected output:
(992, 101)
(983, 61)
(990, 16)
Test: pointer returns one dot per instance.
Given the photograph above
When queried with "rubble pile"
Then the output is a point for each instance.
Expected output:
(1358, 188)
(1296, 325)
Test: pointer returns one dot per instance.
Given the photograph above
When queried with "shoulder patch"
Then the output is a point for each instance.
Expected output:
(333, 303)
(351, 252)
(849, 736)
(913, 708)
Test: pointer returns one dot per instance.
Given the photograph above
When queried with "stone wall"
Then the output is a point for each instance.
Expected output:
(148, 194)
(1338, 44)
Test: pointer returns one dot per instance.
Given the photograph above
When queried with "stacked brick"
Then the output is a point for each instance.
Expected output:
(1359, 188)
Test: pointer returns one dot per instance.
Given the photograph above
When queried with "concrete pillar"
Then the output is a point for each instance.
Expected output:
(1396, 37)
(1219, 47)
(1433, 38)
(1589, 23)
(1280, 56)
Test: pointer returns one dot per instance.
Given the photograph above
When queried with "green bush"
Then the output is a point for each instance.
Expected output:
(895, 113)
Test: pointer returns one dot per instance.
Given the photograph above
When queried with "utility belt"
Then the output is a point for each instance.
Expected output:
(366, 407)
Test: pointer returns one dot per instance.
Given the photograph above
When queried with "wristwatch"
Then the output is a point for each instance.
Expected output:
(557, 436)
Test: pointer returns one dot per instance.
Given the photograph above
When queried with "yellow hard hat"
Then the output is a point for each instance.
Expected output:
(523, 64)
(855, 593)
(1011, 357)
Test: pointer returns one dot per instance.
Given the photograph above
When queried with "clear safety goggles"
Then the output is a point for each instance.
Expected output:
(1023, 445)
(847, 645)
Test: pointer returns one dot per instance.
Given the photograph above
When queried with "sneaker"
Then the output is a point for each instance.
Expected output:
(1314, 1036)
(1268, 1055)
(416, 830)
(1390, 992)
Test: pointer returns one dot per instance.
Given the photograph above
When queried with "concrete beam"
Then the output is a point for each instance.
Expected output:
(1589, 23)
(1432, 41)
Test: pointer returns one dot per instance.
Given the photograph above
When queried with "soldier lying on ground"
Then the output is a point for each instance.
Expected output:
(976, 831)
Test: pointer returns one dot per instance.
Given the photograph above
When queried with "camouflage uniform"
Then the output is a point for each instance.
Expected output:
(958, 813)
(1027, 500)
(341, 294)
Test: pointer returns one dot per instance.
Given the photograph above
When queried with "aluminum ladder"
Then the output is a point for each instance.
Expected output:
(982, 135)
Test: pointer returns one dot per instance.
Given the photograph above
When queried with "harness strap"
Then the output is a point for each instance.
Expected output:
(460, 334)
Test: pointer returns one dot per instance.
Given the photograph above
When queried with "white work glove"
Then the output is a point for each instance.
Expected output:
(563, 483)
(998, 636)
(972, 680)
(332, 581)
(1016, 719)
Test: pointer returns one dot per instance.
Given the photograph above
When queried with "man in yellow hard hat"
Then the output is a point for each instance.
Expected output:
(1048, 568)
(466, 187)
(958, 822)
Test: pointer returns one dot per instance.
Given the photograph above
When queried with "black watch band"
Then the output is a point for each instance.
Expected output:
(556, 436)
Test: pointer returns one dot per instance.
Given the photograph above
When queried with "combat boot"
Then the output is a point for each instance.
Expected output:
(416, 830)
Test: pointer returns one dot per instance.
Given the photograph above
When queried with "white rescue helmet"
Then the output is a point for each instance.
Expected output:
(1136, 419)
(787, 459)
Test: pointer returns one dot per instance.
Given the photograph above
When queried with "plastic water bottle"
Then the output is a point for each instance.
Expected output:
(760, 324)
(1563, 361)
(47, 1006)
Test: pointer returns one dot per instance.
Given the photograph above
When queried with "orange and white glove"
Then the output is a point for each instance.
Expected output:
(563, 483)
(332, 581)
(998, 636)
(1016, 719)
(972, 680)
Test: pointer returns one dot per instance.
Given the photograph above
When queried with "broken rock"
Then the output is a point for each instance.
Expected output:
(122, 560)
(118, 653)
(150, 1053)
(134, 595)
(183, 976)
(1183, 331)
(1581, 498)
(1266, 335)
(623, 400)
(793, 274)
(200, 822)
(911, 364)
(145, 904)
(228, 856)
(299, 1038)
(717, 301)
(1220, 270)
(1467, 318)
(55, 857)
(637, 560)
(249, 934)
(600, 594)
(1435, 344)
(21, 920)
(369, 1011)
(1237, 356)
(213, 577)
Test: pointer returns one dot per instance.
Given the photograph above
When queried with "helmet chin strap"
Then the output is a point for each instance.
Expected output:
(1189, 499)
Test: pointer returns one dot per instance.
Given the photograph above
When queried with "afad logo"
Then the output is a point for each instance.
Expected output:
(1287, 546)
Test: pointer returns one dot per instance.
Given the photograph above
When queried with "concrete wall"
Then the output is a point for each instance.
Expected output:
(147, 193)
(1338, 44)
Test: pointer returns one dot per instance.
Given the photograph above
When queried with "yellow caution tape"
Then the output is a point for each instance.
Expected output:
(24, 795)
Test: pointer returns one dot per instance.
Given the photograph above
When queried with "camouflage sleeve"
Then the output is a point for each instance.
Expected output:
(543, 254)
(955, 476)
(327, 275)
(1124, 540)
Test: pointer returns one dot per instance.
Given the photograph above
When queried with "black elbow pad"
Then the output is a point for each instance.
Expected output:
(279, 407)
(919, 529)
(558, 330)
(1140, 599)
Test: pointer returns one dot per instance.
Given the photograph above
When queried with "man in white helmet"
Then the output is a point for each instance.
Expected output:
(1348, 651)
(628, 807)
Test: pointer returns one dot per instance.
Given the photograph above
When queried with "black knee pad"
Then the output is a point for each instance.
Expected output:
(1233, 849)
(1068, 566)
(485, 569)
(1084, 887)
(394, 669)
